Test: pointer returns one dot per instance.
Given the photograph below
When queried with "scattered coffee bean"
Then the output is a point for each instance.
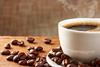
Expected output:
(21, 43)
(29, 48)
(30, 62)
(21, 53)
(30, 39)
(39, 64)
(43, 59)
(39, 48)
(16, 58)
(32, 51)
(14, 42)
(37, 59)
(14, 52)
(46, 65)
(31, 56)
(23, 57)
(56, 50)
(5, 52)
(7, 46)
(22, 62)
(47, 41)
(10, 57)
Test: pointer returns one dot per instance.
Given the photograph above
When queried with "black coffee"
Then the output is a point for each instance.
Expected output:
(81, 26)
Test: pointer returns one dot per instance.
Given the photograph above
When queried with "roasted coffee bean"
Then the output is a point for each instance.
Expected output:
(16, 58)
(31, 56)
(39, 48)
(23, 57)
(39, 64)
(47, 41)
(21, 43)
(37, 59)
(56, 50)
(5, 52)
(57, 60)
(97, 61)
(46, 65)
(84, 65)
(29, 48)
(32, 51)
(74, 61)
(50, 55)
(10, 57)
(21, 53)
(30, 62)
(22, 62)
(14, 52)
(58, 54)
(71, 65)
(65, 62)
(64, 56)
(43, 59)
(7, 46)
(30, 39)
(14, 42)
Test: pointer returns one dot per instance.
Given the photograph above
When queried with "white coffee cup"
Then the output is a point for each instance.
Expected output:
(80, 45)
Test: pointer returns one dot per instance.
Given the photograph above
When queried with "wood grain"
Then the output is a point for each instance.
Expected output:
(39, 42)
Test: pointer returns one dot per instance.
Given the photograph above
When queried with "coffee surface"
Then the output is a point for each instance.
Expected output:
(83, 26)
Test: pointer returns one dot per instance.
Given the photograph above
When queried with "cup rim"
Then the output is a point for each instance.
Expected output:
(61, 24)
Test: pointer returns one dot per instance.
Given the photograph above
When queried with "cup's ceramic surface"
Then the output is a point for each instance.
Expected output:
(80, 45)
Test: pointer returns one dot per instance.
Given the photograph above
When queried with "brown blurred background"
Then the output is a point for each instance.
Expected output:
(31, 17)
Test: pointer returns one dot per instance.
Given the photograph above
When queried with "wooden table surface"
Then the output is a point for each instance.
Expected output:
(39, 42)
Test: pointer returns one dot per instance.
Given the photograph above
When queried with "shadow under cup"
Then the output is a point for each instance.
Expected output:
(81, 45)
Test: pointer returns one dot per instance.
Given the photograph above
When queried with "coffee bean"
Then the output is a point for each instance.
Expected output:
(37, 59)
(29, 48)
(32, 51)
(46, 65)
(43, 59)
(5, 52)
(39, 64)
(83, 65)
(22, 62)
(23, 57)
(14, 52)
(39, 48)
(58, 54)
(65, 62)
(7, 46)
(30, 62)
(47, 41)
(64, 56)
(57, 60)
(21, 43)
(21, 53)
(50, 55)
(16, 58)
(30, 39)
(56, 50)
(14, 42)
(31, 56)
(10, 57)
(71, 65)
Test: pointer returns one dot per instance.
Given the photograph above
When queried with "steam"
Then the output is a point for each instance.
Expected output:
(83, 8)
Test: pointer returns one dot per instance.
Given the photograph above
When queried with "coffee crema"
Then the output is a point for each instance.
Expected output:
(83, 26)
